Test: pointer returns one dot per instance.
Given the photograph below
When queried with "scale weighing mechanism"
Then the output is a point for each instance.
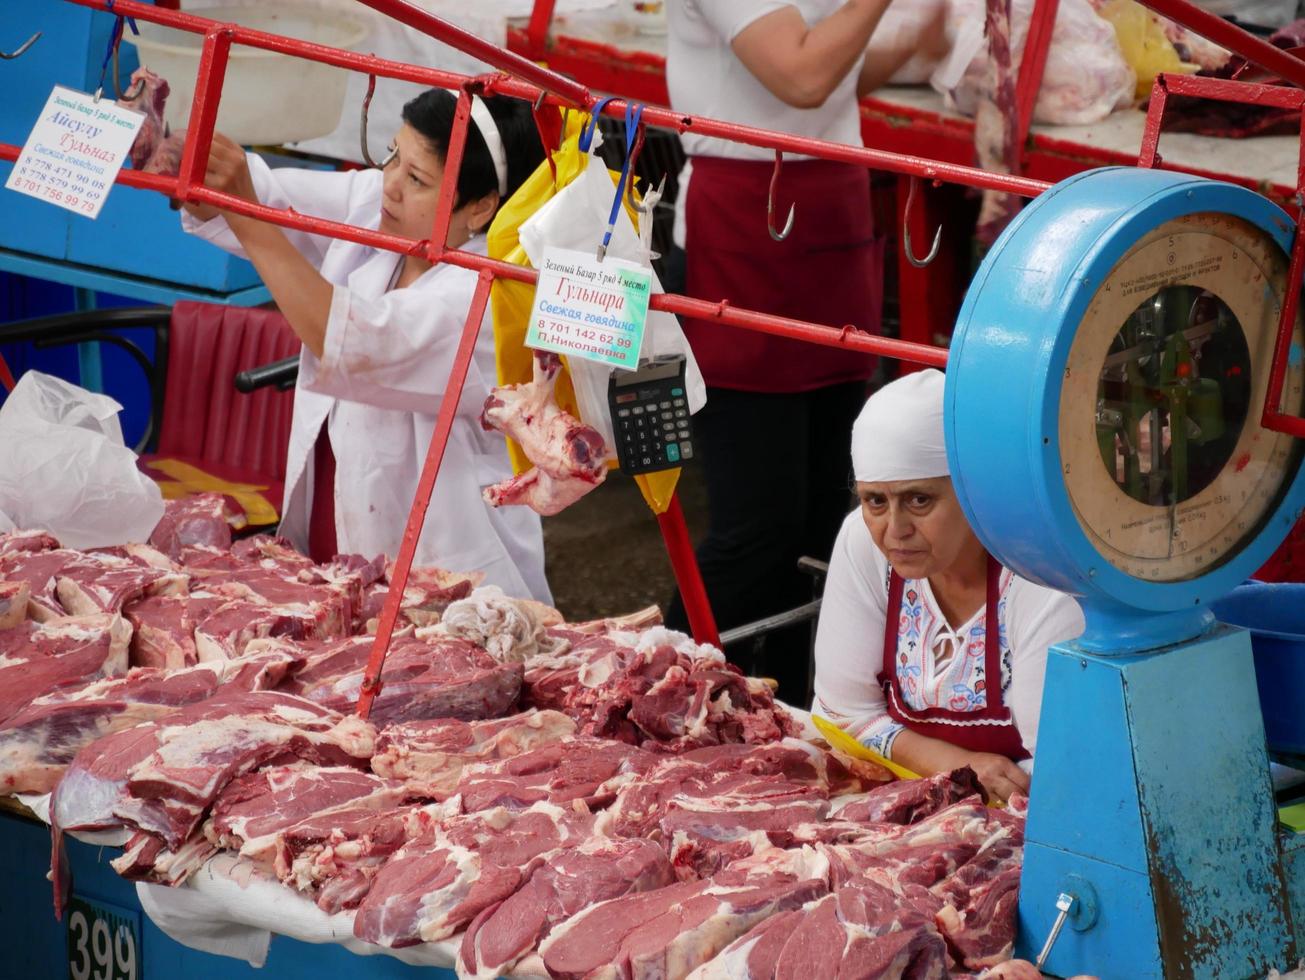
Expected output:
(1103, 403)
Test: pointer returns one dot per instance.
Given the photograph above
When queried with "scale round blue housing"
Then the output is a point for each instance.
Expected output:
(1007, 360)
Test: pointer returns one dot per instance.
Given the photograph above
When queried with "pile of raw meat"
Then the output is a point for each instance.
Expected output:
(605, 799)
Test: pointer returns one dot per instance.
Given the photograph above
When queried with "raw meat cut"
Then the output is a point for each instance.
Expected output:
(38, 743)
(428, 593)
(38, 569)
(981, 900)
(333, 857)
(164, 629)
(156, 149)
(226, 632)
(910, 800)
(591, 770)
(14, 597)
(204, 519)
(37, 658)
(671, 931)
(856, 933)
(103, 583)
(146, 858)
(434, 752)
(510, 630)
(434, 676)
(564, 885)
(13, 542)
(654, 687)
(570, 457)
(254, 809)
(161, 775)
(438, 883)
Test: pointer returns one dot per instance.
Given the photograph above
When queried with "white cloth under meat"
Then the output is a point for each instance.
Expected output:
(705, 78)
(378, 387)
(937, 665)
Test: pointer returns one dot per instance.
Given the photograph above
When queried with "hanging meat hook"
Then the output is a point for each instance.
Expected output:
(906, 232)
(132, 93)
(9, 56)
(362, 126)
(779, 236)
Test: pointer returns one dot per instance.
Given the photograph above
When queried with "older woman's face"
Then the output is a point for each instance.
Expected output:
(917, 524)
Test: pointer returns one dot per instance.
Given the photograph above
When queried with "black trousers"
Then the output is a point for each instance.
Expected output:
(778, 473)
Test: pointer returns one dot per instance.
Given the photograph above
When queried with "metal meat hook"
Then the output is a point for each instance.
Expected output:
(906, 232)
(132, 93)
(779, 236)
(362, 125)
(9, 56)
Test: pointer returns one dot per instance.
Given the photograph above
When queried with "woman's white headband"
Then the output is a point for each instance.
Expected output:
(484, 121)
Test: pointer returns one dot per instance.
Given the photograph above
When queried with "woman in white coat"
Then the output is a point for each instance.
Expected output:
(380, 331)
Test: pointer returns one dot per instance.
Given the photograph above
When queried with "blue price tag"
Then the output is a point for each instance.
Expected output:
(103, 941)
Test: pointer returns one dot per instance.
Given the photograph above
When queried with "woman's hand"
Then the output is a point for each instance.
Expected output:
(1000, 777)
(228, 171)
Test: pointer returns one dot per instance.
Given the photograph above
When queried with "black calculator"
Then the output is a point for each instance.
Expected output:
(650, 416)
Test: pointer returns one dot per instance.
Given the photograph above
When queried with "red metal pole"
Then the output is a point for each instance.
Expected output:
(541, 17)
(203, 111)
(449, 182)
(1272, 417)
(687, 574)
(371, 685)
(1036, 44)
(1227, 35)
(479, 48)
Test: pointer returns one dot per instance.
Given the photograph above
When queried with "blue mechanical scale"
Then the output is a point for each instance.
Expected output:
(1103, 402)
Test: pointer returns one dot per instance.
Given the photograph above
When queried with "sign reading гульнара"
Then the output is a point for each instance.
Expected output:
(590, 309)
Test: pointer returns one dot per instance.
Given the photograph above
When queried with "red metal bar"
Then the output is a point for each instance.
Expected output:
(1228, 35)
(751, 135)
(203, 111)
(479, 48)
(1272, 416)
(439, 238)
(1149, 153)
(371, 685)
(541, 16)
(697, 607)
(1036, 45)
(6, 376)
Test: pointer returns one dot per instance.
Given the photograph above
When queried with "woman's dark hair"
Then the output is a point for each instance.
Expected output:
(431, 115)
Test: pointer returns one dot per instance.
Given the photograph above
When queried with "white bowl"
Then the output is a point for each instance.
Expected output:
(267, 98)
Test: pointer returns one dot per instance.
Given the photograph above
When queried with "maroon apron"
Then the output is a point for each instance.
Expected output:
(828, 271)
(321, 517)
(999, 736)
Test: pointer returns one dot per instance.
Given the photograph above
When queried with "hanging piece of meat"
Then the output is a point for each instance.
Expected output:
(569, 456)
(157, 150)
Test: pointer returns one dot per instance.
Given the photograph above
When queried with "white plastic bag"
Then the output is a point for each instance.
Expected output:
(66, 469)
(1085, 78)
(576, 218)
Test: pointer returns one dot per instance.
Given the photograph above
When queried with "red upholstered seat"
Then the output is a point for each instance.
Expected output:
(207, 424)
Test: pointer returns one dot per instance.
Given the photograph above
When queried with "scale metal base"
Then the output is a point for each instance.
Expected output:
(1153, 788)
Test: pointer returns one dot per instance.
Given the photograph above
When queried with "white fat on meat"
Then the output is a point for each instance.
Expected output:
(570, 457)
(511, 630)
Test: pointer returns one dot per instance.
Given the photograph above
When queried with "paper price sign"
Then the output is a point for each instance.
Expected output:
(75, 151)
(590, 309)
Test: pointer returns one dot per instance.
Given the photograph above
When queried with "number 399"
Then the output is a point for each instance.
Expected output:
(98, 954)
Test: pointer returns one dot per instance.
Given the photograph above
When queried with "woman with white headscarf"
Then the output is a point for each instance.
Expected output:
(917, 616)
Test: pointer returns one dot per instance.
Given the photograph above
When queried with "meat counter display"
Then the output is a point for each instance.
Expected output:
(529, 797)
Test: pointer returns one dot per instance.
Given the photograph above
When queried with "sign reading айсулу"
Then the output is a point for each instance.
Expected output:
(75, 151)
(590, 309)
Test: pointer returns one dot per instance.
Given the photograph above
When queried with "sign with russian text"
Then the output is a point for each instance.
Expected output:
(75, 151)
(590, 309)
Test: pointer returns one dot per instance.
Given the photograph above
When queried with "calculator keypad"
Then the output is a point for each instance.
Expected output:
(655, 434)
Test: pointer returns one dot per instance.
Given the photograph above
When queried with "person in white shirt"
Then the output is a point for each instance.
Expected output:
(927, 649)
(380, 331)
(777, 409)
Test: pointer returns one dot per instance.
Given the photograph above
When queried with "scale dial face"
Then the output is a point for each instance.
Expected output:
(1167, 468)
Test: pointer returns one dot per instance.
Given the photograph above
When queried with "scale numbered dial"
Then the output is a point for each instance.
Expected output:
(1163, 456)
(1105, 386)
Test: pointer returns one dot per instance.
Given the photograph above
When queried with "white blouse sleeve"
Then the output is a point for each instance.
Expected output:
(1037, 618)
(728, 18)
(850, 640)
(332, 195)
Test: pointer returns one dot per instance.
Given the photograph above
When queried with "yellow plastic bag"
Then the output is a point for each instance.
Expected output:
(511, 301)
(1142, 40)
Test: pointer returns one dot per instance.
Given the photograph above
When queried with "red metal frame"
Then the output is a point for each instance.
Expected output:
(534, 84)
(1282, 97)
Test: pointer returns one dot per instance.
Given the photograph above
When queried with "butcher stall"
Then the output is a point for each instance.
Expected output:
(221, 756)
